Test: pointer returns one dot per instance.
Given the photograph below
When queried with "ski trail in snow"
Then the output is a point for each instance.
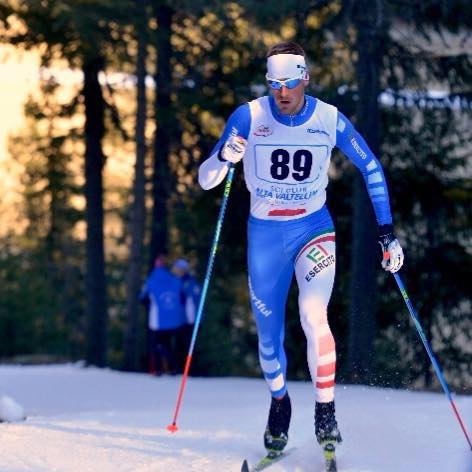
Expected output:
(98, 420)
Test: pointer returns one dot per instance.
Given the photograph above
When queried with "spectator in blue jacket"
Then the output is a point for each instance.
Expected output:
(166, 316)
(191, 292)
(191, 289)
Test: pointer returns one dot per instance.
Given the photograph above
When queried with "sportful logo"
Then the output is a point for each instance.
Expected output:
(263, 130)
(317, 131)
(259, 304)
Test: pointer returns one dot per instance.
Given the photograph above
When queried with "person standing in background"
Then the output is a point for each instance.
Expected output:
(166, 316)
(191, 292)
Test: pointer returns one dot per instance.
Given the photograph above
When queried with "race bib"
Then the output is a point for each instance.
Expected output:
(289, 164)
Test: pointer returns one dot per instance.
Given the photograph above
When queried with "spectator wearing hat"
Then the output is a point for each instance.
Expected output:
(191, 292)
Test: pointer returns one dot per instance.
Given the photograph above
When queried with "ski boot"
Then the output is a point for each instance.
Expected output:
(276, 433)
(327, 432)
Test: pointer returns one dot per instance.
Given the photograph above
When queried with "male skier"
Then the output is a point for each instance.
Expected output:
(285, 141)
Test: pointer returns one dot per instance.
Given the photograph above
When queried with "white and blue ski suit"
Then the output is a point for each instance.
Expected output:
(290, 229)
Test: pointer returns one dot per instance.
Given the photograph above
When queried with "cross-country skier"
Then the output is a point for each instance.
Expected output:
(285, 142)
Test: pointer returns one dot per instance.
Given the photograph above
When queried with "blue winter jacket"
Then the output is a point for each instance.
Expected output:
(164, 290)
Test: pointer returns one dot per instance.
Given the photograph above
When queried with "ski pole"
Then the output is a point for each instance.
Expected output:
(429, 350)
(229, 180)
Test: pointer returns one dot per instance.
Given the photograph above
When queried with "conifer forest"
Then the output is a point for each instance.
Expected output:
(128, 97)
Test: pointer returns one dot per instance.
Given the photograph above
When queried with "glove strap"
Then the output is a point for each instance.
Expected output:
(386, 236)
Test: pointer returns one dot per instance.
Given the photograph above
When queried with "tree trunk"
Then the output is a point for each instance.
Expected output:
(95, 258)
(162, 138)
(369, 22)
(138, 210)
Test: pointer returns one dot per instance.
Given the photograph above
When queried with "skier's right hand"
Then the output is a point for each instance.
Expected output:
(233, 149)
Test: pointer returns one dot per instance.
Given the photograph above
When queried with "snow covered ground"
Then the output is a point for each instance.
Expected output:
(87, 419)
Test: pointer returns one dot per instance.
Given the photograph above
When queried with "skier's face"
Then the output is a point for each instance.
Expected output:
(290, 101)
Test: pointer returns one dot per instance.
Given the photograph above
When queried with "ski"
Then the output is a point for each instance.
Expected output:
(268, 460)
(329, 453)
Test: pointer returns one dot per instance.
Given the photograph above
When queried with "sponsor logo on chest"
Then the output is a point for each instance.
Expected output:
(317, 131)
(263, 130)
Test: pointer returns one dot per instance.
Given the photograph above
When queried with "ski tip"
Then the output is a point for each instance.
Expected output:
(245, 466)
(173, 428)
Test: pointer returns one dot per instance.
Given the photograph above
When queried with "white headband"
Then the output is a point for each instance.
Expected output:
(286, 66)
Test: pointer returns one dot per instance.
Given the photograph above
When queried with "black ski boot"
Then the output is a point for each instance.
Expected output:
(276, 433)
(326, 427)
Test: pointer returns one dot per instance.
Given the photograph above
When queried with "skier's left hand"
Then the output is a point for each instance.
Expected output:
(392, 252)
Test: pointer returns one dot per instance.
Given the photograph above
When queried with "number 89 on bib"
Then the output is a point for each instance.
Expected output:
(289, 164)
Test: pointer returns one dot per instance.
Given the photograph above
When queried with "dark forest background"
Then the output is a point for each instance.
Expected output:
(159, 80)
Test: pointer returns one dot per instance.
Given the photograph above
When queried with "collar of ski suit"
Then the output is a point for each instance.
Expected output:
(299, 118)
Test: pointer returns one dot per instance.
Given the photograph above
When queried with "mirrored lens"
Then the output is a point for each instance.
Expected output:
(278, 84)
(274, 84)
(292, 83)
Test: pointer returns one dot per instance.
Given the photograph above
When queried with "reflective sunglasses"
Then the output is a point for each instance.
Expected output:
(276, 84)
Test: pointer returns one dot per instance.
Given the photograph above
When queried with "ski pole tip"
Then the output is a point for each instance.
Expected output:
(173, 428)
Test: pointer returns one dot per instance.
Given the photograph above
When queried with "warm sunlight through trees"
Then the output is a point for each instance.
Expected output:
(107, 110)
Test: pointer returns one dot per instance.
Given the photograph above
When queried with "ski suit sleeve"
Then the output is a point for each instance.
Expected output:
(213, 170)
(353, 145)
